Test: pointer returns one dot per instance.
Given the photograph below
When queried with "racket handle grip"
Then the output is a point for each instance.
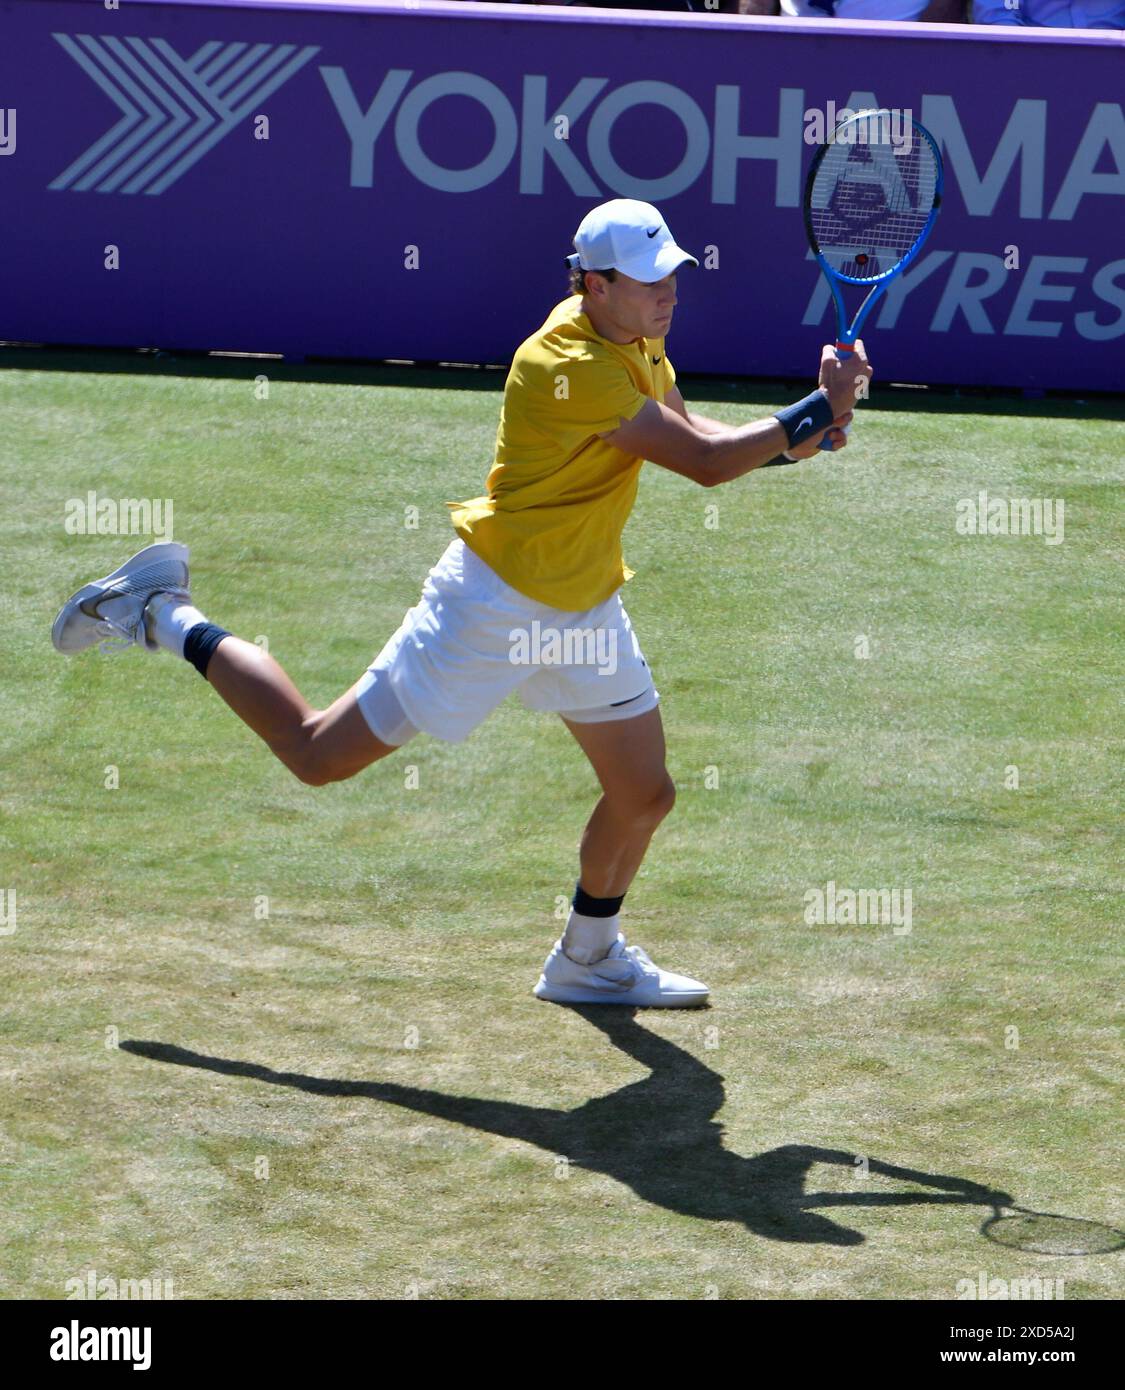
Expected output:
(843, 353)
(844, 429)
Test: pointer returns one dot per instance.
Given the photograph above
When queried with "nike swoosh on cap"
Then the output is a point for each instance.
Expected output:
(651, 234)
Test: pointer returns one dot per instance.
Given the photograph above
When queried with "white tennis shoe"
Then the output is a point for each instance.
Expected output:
(113, 608)
(625, 976)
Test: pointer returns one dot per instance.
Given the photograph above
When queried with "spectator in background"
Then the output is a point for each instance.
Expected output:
(1052, 14)
(925, 11)
(710, 6)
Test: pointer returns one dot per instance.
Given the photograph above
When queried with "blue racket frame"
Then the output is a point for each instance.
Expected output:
(847, 334)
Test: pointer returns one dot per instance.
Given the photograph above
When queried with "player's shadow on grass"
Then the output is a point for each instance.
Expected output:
(657, 1135)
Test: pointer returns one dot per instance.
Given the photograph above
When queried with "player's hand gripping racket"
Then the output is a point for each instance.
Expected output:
(871, 198)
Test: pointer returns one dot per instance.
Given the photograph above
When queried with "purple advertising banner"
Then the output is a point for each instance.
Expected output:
(403, 180)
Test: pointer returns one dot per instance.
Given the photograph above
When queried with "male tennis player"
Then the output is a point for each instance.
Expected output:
(590, 396)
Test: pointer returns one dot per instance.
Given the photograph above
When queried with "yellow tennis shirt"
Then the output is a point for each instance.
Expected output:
(558, 496)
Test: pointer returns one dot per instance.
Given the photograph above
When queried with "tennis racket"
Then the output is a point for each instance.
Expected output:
(871, 198)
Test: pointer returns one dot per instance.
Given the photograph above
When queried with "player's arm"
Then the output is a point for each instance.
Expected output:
(713, 456)
(666, 438)
(674, 401)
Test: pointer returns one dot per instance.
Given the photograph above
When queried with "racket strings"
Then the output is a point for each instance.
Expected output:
(870, 200)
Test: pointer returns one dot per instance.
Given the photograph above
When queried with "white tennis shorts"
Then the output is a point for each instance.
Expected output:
(472, 639)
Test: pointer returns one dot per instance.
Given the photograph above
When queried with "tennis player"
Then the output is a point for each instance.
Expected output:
(527, 595)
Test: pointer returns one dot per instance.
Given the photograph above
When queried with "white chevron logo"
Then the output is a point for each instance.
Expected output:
(173, 109)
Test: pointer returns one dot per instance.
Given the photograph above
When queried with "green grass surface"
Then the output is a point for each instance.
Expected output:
(691, 1140)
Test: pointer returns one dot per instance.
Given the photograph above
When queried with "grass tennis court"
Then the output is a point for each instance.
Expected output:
(356, 1095)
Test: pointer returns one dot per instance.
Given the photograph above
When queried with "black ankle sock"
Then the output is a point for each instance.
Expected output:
(595, 907)
(200, 644)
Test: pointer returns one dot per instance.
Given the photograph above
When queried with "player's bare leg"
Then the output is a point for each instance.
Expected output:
(591, 962)
(627, 756)
(146, 602)
(318, 746)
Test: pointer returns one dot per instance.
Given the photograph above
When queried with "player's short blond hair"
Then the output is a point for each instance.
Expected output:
(578, 278)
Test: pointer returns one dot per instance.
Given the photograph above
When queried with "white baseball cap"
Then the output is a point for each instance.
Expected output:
(628, 236)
